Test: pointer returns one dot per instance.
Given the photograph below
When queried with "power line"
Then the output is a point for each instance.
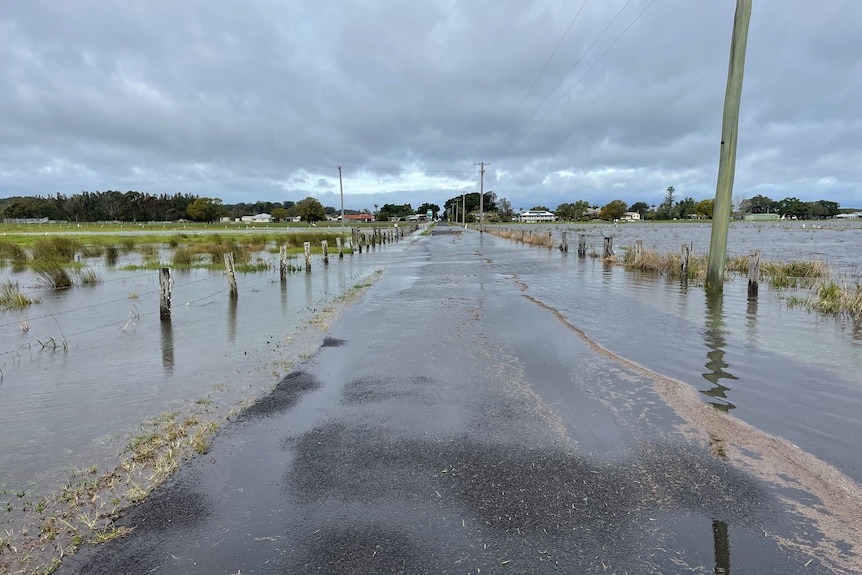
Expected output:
(545, 67)
(566, 75)
(578, 81)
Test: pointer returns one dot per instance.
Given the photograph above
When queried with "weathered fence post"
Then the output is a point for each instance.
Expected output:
(165, 294)
(550, 239)
(686, 253)
(608, 252)
(231, 274)
(324, 246)
(564, 242)
(753, 272)
(340, 247)
(282, 263)
(639, 250)
(306, 246)
(582, 245)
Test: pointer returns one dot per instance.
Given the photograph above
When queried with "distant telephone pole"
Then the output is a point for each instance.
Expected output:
(727, 156)
(341, 189)
(481, 192)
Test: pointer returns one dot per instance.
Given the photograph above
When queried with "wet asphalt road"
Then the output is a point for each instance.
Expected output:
(450, 425)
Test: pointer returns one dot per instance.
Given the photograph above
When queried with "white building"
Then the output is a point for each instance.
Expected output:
(631, 217)
(257, 219)
(530, 216)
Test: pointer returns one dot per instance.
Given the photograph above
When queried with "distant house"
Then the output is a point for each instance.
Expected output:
(257, 219)
(761, 217)
(357, 218)
(850, 216)
(631, 217)
(531, 216)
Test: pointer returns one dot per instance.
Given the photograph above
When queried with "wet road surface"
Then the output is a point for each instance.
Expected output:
(449, 424)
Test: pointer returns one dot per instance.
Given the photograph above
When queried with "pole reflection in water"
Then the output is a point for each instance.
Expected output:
(167, 346)
(722, 547)
(284, 296)
(308, 294)
(231, 319)
(715, 364)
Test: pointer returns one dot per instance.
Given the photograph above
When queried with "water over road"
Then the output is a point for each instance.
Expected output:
(453, 421)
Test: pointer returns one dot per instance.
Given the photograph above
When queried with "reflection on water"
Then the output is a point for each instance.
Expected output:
(168, 346)
(231, 319)
(714, 339)
(722, 547)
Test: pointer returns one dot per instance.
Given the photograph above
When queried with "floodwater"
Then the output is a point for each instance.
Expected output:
(785, 370)
(96, 361)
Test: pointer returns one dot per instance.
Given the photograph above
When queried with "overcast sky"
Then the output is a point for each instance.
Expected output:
(263, 99)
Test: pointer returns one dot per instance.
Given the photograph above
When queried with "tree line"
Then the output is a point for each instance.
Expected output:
(671, 208)
(135, 206)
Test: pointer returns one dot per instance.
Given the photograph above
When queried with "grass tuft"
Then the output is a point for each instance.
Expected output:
(11, 298)
(56, 248)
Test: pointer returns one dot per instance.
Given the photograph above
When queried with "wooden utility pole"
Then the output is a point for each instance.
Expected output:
(727, 156)
(463, 210)
(481, 192)
(341, 189)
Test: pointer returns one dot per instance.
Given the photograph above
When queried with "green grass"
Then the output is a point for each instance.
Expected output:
(56, 248)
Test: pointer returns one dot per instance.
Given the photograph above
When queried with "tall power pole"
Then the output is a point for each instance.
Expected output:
(481, 192)
(341, 189)
(727, 156)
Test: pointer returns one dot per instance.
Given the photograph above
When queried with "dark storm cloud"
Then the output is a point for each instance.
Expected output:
(262, 100)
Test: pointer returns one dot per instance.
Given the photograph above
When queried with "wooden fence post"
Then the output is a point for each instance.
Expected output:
(340, 247)
(550, 239)
(608, 252)
(582, 245)
(686, 253)
(753, 272)
(306, 246)
(564, 243)
(165, 294)
(282, 263)
(639, 250)
(324, 246)
(231, 274)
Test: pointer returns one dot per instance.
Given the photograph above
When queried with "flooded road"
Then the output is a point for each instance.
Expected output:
(489, 408)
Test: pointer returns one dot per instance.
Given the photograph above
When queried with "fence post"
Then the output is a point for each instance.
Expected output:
(282, 263)
(231, 274)
(340, 247)
(564, 244)
(582, 245)
(325, 247)
(550, 239)
(686, 252)
(165, 294)
(753, 272)
(639, 250)
(609, 248)
(306, 246)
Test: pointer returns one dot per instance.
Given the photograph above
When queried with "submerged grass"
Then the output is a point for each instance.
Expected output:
(56, 248)
(11, 298)
(52, 274)
(829, 297)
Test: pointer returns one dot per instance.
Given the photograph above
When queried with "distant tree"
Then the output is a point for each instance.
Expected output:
(539, 209)
(504, 209)
(310, 210)
(572, 212)
(613, 210)
(280, 214)
(389, 211)
(666, 211)
(423, 209)
(792, 207)
(821, 209)
(704, 208)
(206, 209)
(640, 207)
(762, 205)
(685, 208)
